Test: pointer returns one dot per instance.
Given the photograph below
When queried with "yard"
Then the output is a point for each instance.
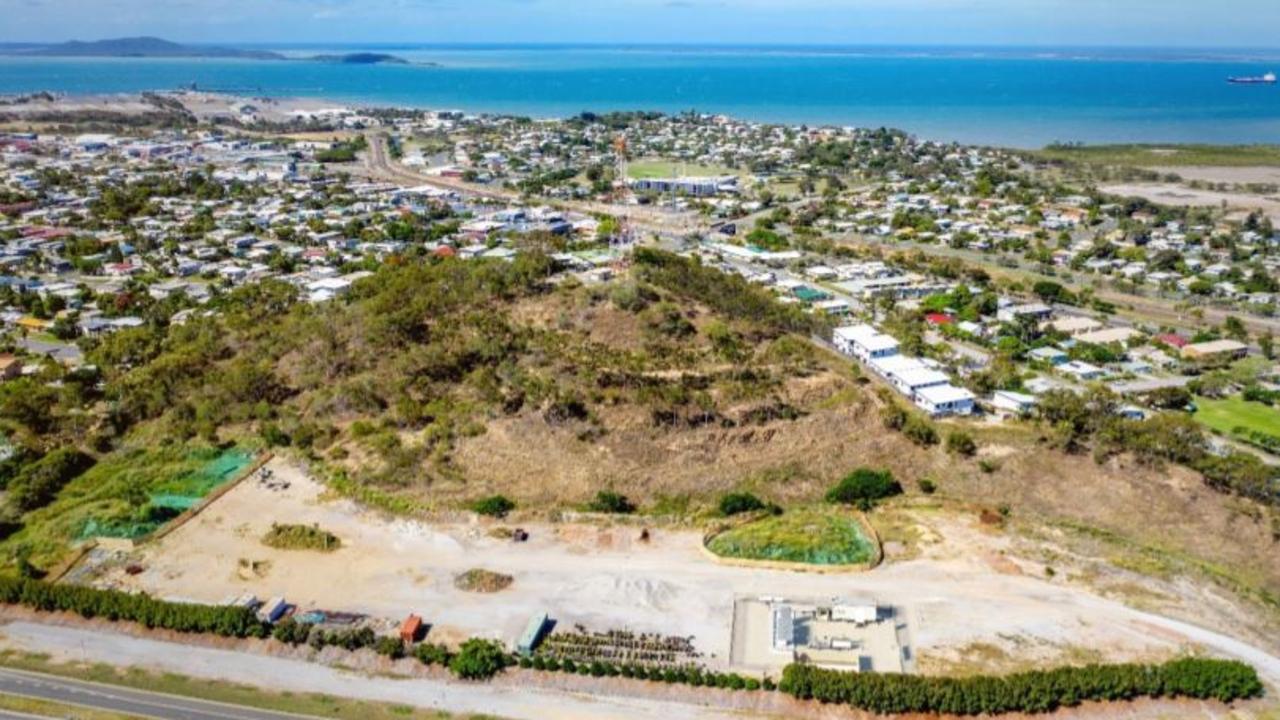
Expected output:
(1224, 416)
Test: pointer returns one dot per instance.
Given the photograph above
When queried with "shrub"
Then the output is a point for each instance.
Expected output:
(863, 486)
(431, 654)
(478, 659)
(1029, 692)
(229, 621)
(607, 501)
(300, 537)
(920, 431)
(927, 486)
(495, 506)
(38, 483)
(961, 443)
(388, 646)
(740, 502)
(291, 631)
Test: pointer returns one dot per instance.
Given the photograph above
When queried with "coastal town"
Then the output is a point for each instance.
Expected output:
(1047, 287)
(786, 391)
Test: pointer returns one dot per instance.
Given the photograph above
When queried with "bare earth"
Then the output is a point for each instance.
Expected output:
(960, 592)
(1233, 175)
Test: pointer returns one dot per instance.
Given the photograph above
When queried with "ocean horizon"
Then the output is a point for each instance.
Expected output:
(1018, 96)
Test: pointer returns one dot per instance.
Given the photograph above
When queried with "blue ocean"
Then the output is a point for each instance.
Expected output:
(1000, 96)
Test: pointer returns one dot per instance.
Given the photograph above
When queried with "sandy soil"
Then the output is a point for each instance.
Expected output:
(1234, 175)
(961, 591)
(1177, 195)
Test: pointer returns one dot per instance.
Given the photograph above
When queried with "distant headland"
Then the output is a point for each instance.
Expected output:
(153, 47)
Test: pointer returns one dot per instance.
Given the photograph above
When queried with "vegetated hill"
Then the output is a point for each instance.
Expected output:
(439, 381)
(361, 59)
(142, 47)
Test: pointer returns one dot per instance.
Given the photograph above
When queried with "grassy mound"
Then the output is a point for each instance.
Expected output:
(482, 581)
(814, 537)
(300, 537)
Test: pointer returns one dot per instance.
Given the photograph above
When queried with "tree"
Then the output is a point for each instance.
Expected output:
(1233, 327)
(37, 484)
(495, 506)
(863, 487)
(478, 659)
(740, 502)
(1169, 398)
(608, 501)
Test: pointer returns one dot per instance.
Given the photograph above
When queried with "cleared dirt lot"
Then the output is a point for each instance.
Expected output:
(604, 578)
(1178, 195)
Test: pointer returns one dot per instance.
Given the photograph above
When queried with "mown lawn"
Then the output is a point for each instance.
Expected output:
(1224, 416)
(813, 536)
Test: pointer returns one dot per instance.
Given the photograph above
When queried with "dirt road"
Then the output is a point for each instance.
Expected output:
(503, 699)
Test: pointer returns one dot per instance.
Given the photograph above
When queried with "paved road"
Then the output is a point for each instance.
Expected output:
(123, 700)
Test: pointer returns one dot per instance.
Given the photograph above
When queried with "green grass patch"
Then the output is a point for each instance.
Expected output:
(312, 704)
(300, 537)
(1224, 416)
(814, 537)
(648, 169)
(129, 493)
(1167, 155)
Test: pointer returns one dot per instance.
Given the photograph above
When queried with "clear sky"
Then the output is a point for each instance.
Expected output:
(1166, 23)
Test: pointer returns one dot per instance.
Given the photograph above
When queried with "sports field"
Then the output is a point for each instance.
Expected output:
(1224, 416)
(646, 169)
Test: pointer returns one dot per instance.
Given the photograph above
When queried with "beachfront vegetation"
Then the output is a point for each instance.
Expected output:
(1174, 155)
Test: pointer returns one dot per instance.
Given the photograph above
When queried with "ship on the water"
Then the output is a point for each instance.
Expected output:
(1268, 79)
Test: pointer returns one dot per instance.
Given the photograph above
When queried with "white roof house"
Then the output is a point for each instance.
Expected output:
(1082, 370)
(1013, 402)
(864, 342)
(945, 400)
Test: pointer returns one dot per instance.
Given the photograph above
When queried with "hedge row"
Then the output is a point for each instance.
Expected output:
(1030, 692)
(684, 675)
(115, 605)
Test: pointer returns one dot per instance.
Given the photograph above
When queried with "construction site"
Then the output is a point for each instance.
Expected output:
(619, 589)
(839, 633)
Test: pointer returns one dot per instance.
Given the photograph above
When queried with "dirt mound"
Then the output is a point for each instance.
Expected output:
(478, 580)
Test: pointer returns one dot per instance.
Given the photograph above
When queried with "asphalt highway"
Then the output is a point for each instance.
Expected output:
(123, 700)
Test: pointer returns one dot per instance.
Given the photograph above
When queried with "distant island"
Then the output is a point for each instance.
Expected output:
(140, 47)
(153, 47)
(361, 59)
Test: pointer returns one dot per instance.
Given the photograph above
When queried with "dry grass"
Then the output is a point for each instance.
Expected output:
(479, 580)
